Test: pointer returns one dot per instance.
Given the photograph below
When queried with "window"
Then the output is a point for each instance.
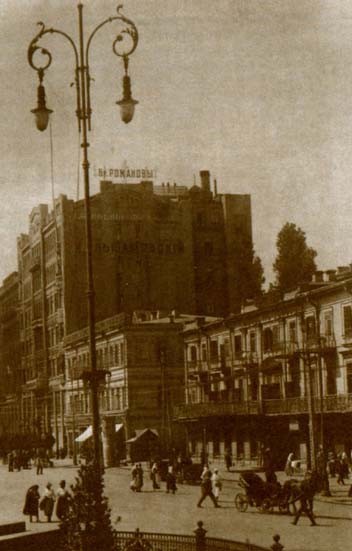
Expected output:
(193, 354)
(310, 327)
(252, 341)
(292, 331)
(347, 320)
(328, 324)
(214, 351)
(268, 339)
(238, 346)
(204, 352)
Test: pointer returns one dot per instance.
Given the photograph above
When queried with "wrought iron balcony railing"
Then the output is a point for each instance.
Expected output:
(282, 406)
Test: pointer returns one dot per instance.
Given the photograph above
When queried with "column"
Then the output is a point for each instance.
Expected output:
(247, 449)
(62, 418)
(108, 437)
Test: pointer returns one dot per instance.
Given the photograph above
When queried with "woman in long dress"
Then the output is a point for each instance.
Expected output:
(47, 503)
(62, 501)
(31, 504)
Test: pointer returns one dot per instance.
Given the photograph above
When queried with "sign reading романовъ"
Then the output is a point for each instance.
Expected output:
(124, 173)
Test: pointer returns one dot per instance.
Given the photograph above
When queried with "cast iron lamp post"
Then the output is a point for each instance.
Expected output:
(123, 46)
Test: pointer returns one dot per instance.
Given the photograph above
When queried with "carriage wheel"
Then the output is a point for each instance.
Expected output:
(267, 505)
(241, 502)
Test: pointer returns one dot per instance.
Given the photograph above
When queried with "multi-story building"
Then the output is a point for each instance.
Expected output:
(161, 248)
(277, 376)
(142, 356)
(10, 356)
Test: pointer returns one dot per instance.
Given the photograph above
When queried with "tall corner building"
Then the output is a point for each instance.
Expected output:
(162, 247)
(155, 248)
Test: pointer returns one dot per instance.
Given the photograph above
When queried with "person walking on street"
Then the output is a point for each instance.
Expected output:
(154, 475)
(134, 472)
(31, 504)
(207, 490)
(47, 503)
(339, 467)
(170, 480)
(139, 479)
(289, 466)
(39, 464)
(228, 460)
(62, 502)
(216, 484)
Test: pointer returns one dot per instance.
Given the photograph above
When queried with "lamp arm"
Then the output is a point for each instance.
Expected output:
(130, 30)
(34, 47)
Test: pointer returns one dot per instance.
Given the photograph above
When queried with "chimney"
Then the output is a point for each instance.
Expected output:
(205, 180)
(215, 188)
(331, 275)
(318, 277)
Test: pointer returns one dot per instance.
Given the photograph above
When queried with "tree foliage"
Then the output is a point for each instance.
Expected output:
(295, 260)
(87, 524)
(250, 274)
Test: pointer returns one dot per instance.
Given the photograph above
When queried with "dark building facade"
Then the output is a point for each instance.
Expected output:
(10, 354)
(161, 248)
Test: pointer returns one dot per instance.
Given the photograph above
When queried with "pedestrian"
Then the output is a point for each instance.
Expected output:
(134, 472)
(289, 466)
(206, 490)
(216, 484)
(62, 502)
(31, 504)
(10, 460)
(39, 464)
(228, 460)
(139, 478)
(154, 475)
(339, 468)
(47, 502)
(170, 480)
(345, 466)
(206, 472)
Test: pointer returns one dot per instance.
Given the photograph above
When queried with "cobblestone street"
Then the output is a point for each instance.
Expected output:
(161, 512)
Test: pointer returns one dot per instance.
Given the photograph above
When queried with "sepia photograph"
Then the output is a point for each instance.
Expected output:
(176, 275)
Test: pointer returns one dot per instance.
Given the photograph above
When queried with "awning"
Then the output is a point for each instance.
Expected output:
(140, 433)
(85, 434)
(118, 426)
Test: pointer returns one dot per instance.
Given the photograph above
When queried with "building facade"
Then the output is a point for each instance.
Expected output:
(277, 376)
(154, 248)
(11, 376)
(142, 356)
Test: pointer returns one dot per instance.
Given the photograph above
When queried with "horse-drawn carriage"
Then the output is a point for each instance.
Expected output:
(261, 494)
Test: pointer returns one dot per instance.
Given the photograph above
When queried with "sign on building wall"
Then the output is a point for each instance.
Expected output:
(125, 173)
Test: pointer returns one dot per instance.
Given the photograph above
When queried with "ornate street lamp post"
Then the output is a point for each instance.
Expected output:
(123, 46)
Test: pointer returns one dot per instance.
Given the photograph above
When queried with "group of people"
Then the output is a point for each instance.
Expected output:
(23, 459)
(34, 502)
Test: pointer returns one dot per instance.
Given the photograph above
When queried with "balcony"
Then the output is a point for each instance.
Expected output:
(285, 406)
(281, 349)
(323, 343)
(215, 409)
(340, 403)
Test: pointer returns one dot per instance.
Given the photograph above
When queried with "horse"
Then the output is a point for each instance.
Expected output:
(311, 484)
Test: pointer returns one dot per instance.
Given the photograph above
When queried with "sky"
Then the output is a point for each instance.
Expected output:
(258, 92)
